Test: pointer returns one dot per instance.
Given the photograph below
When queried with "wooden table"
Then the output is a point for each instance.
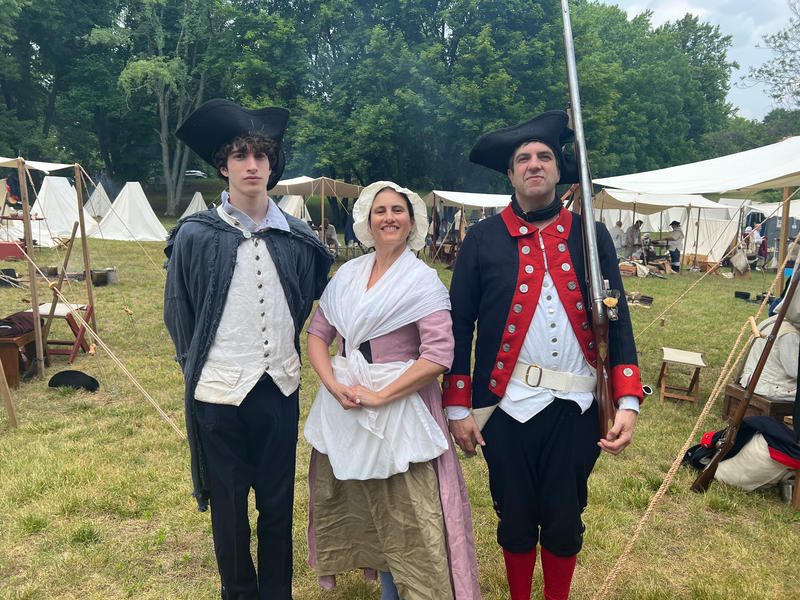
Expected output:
(16, 350)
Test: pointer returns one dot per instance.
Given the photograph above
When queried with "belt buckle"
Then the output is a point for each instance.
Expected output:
(527, 373)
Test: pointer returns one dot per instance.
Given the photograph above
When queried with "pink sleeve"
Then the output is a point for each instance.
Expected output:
(320, 327)
(436, 338)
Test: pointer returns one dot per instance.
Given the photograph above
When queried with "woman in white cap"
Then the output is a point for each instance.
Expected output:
(386, 489)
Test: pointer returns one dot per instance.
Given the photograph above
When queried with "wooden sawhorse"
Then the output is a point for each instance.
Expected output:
(680, 357)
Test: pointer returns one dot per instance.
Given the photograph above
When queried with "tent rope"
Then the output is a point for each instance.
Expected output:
(78, 317)
(720, 384)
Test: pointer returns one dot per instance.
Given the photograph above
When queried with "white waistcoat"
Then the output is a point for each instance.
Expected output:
(255, 334)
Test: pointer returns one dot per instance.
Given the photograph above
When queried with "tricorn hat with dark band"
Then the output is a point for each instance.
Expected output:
(218, 121)
(494, 149)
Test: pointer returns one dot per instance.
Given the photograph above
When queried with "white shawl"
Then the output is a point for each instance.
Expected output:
(375, 443)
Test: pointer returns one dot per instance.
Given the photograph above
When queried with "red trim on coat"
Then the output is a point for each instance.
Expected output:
(626, 381)
(784, 459)
(457, 390)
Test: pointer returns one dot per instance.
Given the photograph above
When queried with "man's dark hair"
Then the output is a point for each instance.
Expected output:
(253, 142)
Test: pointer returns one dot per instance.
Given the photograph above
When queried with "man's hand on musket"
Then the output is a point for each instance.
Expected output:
(466, 434)
(621, 434)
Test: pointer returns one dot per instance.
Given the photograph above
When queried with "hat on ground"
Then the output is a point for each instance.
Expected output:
(218, 121)
(362, 207)
(675, 224)
(74, 379)
(494, 149)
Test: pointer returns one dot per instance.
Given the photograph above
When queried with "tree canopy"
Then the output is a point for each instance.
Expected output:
(398, 89)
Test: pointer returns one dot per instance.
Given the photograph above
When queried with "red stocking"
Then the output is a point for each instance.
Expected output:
(557, 572)
(519, 572)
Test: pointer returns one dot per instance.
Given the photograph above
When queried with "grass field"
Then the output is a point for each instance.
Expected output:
(95, 488)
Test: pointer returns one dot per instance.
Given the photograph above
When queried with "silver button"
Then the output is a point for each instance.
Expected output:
(512, 328)
(545, 284)
(562, 247)
(552, 325)
(549, 297)
(246, 235)
(591, 345)
(560, 228)
(446, 384)
(579, 306)
(500, 365)
(526, 249)
(529, 269)
(551, 310)
(554, 340)
(523, 288)
(493, 383)
(506, 347)
(523, 230)
(565, 267)
(627, 372)
(572, 285)
(518, 308)
(460, 384)
(555, 353)
(585, 325)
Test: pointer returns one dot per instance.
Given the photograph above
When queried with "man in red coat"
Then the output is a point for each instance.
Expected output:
(520, 275)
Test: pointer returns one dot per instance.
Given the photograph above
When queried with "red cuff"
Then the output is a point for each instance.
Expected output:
(457, 390)
(626, 381)
(707, 441)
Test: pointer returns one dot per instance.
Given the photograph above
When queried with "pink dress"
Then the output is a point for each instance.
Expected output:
(430, 338)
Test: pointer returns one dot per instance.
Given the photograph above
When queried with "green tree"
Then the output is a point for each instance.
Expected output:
(781, 73)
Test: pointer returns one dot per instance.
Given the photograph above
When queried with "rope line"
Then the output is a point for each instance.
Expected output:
(76, 314)
(721, 382)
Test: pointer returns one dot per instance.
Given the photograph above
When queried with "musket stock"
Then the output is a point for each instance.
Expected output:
(596, 287)
(707, 474)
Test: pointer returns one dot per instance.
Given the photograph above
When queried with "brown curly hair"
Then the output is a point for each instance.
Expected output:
(251, 143)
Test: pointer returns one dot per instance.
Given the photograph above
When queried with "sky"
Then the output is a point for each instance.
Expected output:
(746, 21)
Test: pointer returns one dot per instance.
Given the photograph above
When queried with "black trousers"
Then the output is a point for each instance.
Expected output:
(252, 445)
(537, 476)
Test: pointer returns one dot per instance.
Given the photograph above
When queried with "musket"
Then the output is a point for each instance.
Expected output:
(726, 443)
(602, 301)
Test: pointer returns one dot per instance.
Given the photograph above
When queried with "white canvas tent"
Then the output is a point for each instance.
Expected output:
(769, 167)
(321, 186)
(131, 218)
(709, 227)
(467, 200)
(196, 205)
(99, 204)
(296, 206)
(56, 204)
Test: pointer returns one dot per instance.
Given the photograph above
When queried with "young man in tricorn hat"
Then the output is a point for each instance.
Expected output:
(241, 281)
(520, 275)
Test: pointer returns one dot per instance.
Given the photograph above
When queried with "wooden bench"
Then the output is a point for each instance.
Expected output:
(15, 351)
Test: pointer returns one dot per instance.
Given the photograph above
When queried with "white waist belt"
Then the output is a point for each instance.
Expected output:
(536, 376)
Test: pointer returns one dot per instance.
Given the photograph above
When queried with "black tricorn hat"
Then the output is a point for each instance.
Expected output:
(74, 379)
(675, 223)
(493, 149)
(218, 121)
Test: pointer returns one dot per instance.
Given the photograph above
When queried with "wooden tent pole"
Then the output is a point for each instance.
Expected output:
(6, 393)
(686, 237)
(26, 219)
(696, 236)
(322, 231)
(435, 222)
(787, 192)
(84, 243)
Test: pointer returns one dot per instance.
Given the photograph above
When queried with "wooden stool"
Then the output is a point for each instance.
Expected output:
(681, 357)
